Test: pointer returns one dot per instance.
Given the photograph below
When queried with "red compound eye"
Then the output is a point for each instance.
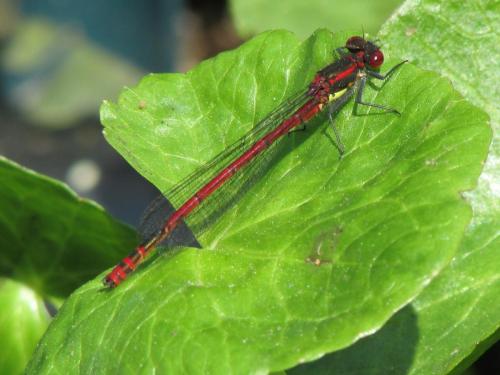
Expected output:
(376, 59)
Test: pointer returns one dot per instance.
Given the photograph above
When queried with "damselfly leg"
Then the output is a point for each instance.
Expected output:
(362, 83)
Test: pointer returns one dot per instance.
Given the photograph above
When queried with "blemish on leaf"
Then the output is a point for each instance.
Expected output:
(431, 162)
(410, 31)
(324, 247)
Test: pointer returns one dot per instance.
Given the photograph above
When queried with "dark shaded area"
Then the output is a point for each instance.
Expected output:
(210, 12)
(153, 220)
(208, 30)
(50, 307)
(489, 362)
(394, 343)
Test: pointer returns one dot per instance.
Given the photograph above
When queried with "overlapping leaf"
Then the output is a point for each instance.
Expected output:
(51, 242)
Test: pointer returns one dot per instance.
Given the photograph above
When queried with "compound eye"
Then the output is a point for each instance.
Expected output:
(376, 59)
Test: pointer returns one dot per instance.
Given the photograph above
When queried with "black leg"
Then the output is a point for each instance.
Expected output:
(382, 77)
(359, 97)
(333, 107)
(338, 143)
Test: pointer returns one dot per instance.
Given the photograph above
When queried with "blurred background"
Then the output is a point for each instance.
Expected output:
(60, 58)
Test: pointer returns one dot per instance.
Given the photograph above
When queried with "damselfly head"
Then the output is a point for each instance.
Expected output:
(355, 44)
(368, 51)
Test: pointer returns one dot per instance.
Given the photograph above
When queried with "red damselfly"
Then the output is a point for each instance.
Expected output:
(200, 197)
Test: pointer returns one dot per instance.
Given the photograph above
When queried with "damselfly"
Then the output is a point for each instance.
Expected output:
(199, 198)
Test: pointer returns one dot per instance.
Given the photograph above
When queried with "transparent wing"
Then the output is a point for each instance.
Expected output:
(159, 210)
(182, 191)
(154, 218)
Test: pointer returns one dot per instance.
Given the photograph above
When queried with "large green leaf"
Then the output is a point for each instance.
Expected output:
(386, 219)
(461, 308)
(443, 325)
(50, 239)
(303, 17)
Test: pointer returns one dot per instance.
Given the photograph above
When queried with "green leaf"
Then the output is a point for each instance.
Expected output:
(51, 242)
(303, 17)
(51, 239)
(382, 222)
(23, 319)
(440, 328)
(461, 308)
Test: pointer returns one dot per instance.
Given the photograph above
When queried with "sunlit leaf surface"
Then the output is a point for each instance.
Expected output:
(382, 222)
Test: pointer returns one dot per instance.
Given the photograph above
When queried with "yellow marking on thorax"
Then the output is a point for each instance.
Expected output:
(336, 95)
(333, 97)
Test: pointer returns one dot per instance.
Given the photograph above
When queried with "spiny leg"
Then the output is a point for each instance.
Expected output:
(383, 77)
(338, 143)
(359, 98)
(333, 107)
